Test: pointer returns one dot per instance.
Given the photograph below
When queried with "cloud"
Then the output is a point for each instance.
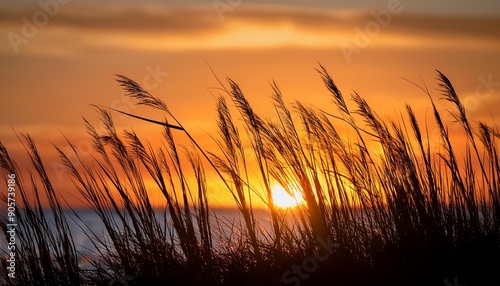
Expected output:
(246, 27)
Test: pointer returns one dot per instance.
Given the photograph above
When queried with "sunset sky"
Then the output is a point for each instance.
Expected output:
(59, 59)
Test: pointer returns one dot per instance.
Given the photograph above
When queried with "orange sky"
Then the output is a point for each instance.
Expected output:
(49, 76)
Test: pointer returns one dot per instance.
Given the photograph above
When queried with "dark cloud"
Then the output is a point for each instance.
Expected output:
(448, 26)
(148, 20)
(203, 20)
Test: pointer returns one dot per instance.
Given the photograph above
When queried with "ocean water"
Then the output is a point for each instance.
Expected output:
(86, 226)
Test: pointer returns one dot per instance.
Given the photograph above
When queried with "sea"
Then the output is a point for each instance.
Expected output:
(86, 228)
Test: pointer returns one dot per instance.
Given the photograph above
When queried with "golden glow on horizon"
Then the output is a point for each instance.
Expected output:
(283, 199)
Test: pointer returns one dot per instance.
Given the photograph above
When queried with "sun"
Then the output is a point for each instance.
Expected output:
(283, 199)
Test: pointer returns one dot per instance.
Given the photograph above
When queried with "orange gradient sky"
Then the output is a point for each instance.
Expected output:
(54, 67)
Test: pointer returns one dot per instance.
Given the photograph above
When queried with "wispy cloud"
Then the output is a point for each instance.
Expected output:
(246, 27)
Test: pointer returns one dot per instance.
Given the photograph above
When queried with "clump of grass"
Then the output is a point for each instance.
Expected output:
(45, 253)
(405, 215)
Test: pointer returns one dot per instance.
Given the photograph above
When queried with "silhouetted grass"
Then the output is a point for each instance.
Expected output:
(382, 207)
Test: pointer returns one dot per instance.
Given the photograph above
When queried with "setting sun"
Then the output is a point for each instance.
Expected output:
(283, 199)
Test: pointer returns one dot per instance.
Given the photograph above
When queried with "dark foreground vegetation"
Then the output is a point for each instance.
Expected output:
(383, 206)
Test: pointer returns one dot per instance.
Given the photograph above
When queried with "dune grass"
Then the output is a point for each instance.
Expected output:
(382, 207)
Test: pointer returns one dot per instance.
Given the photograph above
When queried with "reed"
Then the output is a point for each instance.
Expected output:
(407, 214)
